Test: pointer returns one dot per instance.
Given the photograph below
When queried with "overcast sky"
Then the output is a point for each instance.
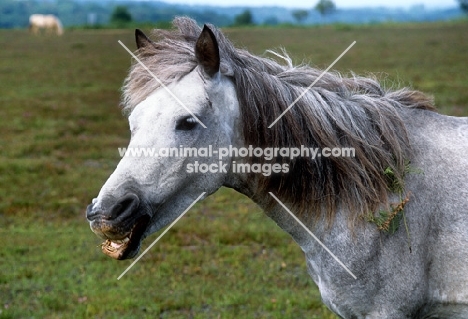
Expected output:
(311, 3)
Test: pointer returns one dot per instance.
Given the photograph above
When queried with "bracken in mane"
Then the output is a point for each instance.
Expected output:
(353, 112)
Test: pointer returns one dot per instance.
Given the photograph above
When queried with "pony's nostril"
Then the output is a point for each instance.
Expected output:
(91, 213)
(125, 206)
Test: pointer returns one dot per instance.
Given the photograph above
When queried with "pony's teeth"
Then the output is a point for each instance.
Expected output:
(120, 242)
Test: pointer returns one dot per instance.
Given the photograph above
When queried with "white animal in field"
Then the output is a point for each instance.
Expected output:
(48, 22)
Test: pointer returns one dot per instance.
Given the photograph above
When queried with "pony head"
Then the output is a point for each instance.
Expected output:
(197, 110)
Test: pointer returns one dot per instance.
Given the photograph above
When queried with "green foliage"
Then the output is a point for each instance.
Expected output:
(388, 221)
(120, 16)
(244, 19)
(325, 7)
(300, 15)
(464, 5)
(395, 181)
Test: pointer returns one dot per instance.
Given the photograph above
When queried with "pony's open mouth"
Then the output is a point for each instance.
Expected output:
(115, 248)
(128, 245)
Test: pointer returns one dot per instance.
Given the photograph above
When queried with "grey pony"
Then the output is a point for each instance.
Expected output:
(418, 271)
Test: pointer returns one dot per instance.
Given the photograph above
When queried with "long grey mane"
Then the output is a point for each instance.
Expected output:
(355, 112)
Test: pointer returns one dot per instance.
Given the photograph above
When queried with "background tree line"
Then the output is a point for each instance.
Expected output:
(15, 13)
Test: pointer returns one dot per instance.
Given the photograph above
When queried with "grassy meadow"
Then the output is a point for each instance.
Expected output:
(60, 127)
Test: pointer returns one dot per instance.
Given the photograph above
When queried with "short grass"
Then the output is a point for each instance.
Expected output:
(60, 127)
(205, 267)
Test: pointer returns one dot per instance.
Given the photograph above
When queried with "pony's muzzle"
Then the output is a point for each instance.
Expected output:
(122, 225)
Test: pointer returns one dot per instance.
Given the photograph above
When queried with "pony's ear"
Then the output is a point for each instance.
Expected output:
(207, 51)
(141, 39)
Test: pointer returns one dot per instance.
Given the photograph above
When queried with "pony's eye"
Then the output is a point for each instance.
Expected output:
(186, 124)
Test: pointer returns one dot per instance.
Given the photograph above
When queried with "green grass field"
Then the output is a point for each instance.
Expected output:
(60, 127)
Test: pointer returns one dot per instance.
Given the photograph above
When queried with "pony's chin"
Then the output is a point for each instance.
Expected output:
(128, 246)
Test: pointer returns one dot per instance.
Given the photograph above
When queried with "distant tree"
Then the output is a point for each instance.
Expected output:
(245, 18)
(325, 7)
(300, 15)
(120, 16)
(464, 5)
